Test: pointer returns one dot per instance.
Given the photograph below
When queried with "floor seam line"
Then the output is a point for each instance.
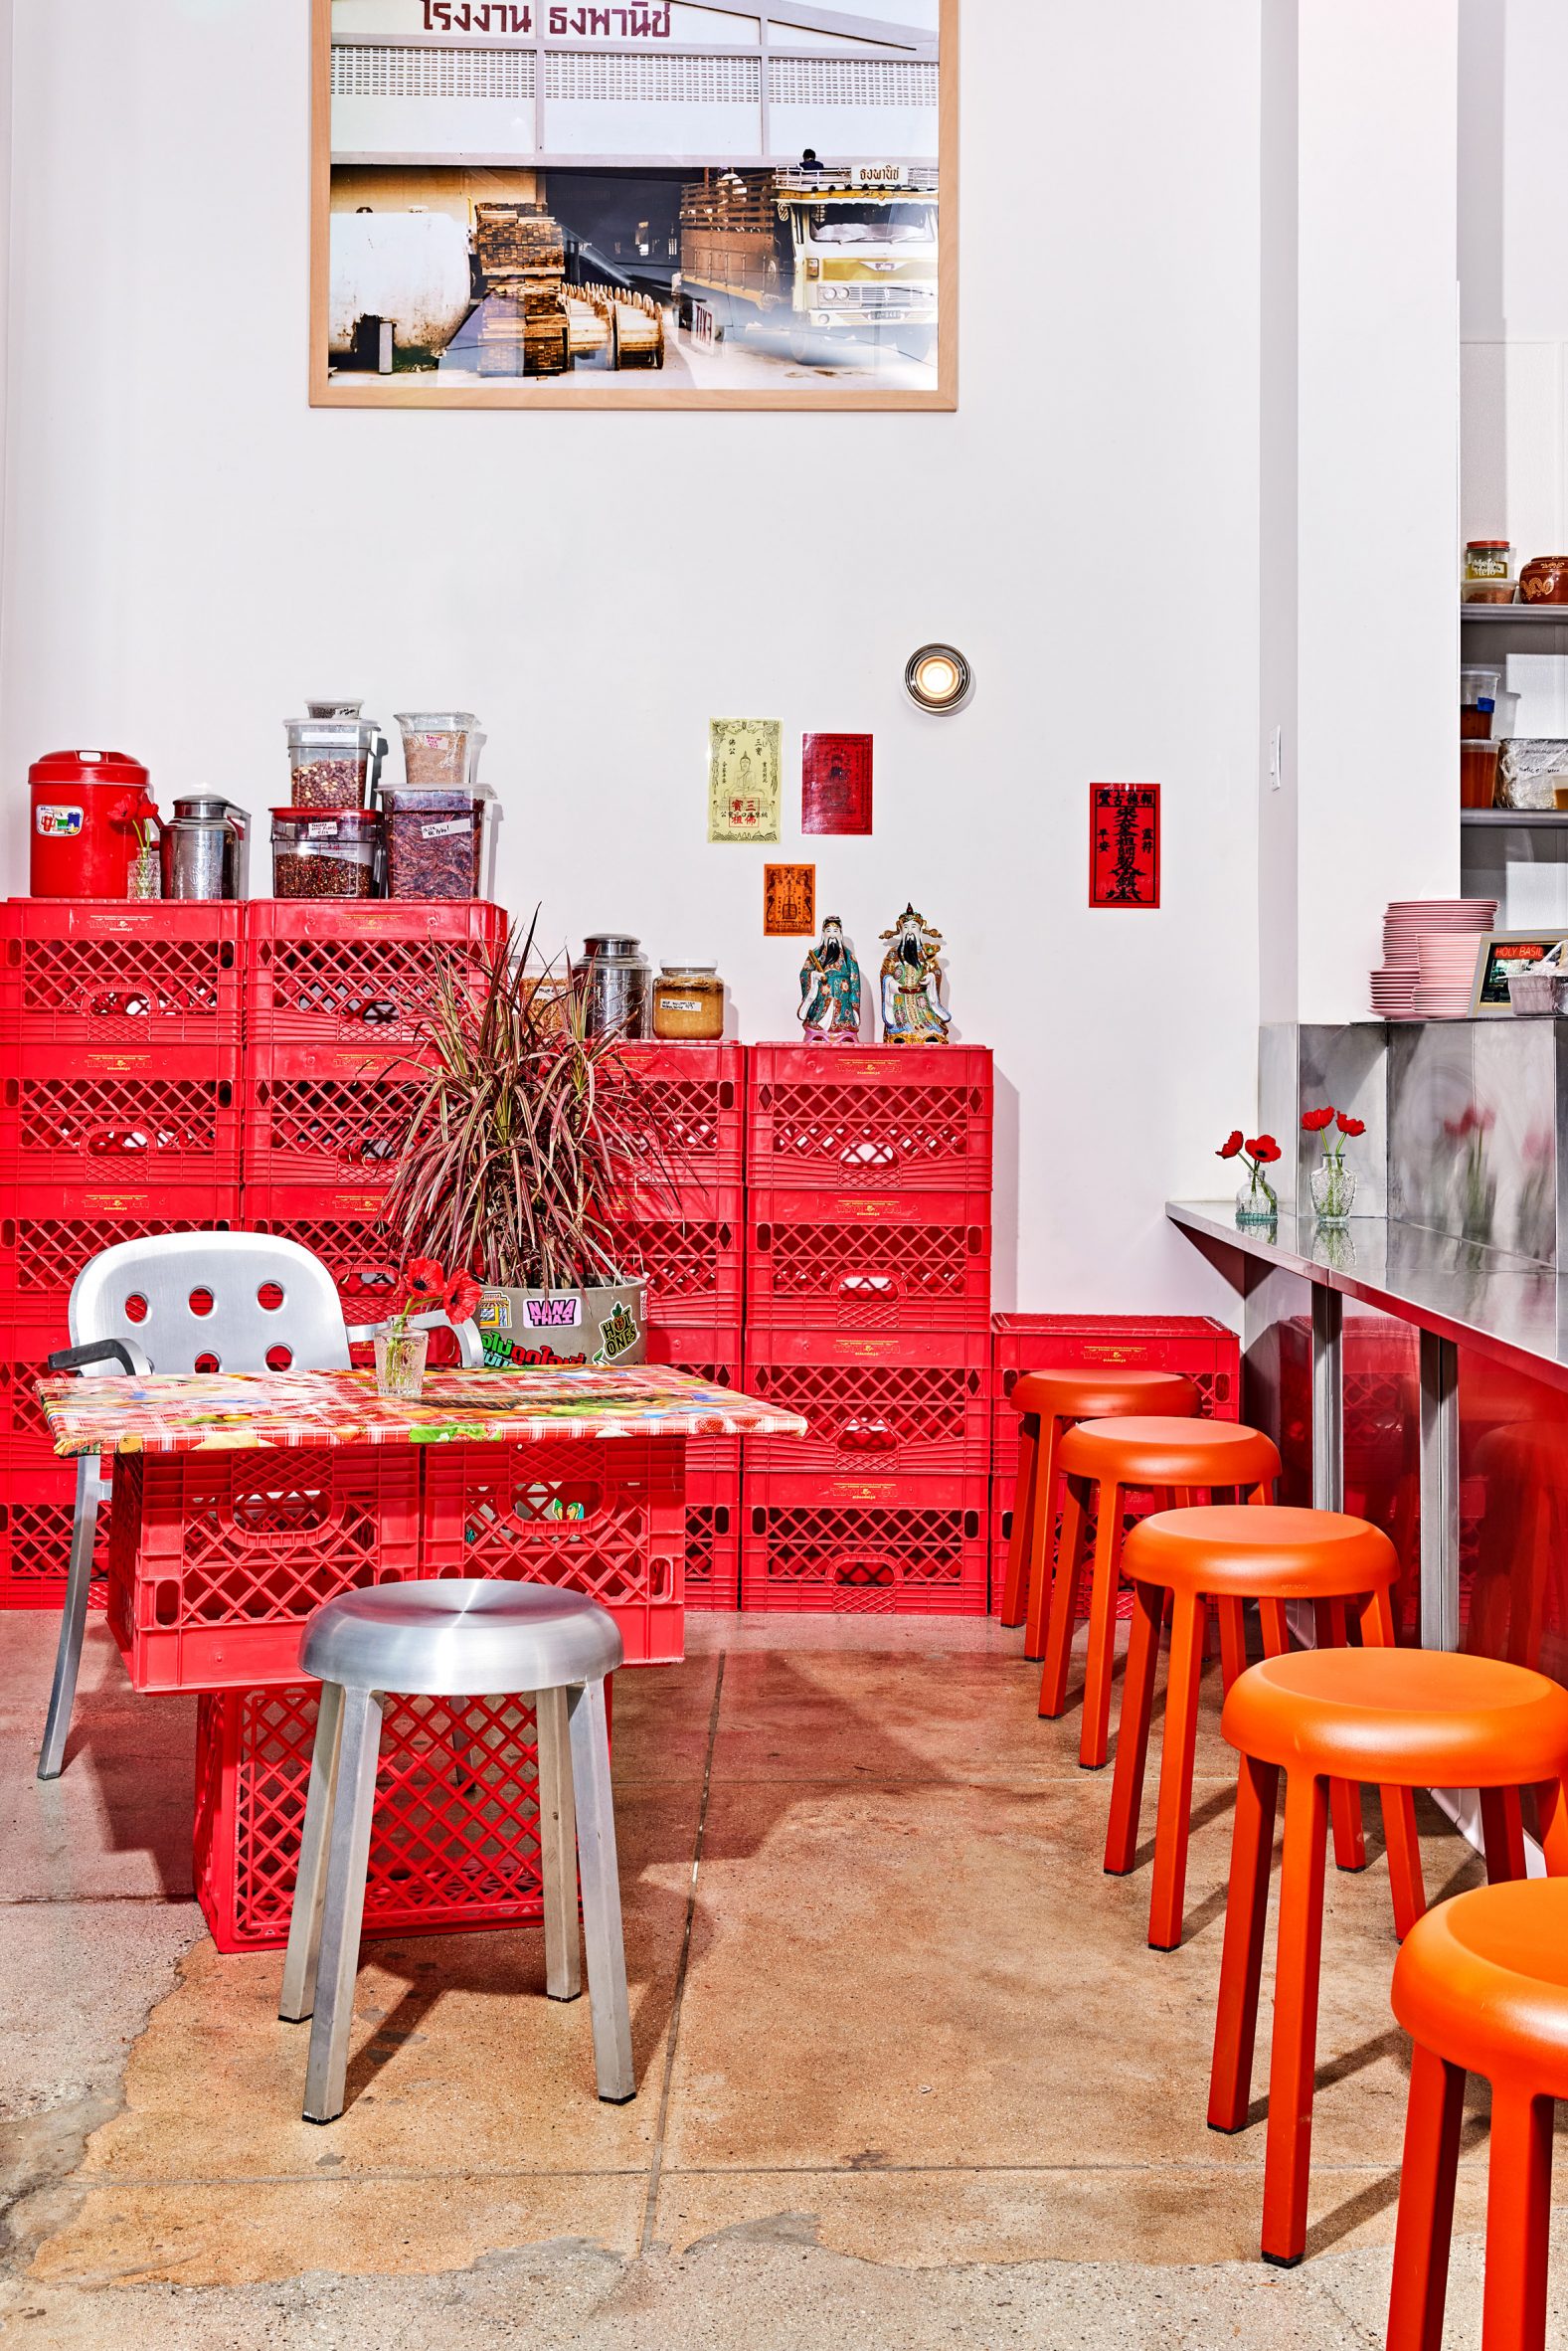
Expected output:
(656, 2162)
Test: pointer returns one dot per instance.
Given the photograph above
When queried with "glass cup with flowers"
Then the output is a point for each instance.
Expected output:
(1256, 1202)
(423, 1288)
(1333, 1182)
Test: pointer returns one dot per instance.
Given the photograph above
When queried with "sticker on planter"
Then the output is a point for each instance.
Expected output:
(561, 1311)
(617, 1332)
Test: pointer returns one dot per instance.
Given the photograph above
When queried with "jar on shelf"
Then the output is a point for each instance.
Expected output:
(436, 838)
(1488, 559)
(1477, 774)
(688, 1005)
(333, 762)
(325, 852)
(613, 980)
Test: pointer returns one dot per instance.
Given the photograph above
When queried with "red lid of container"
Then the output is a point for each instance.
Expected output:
(88, 766)
(1488, 543)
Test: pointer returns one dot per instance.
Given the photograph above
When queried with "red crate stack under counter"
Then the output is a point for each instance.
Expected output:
(120, 1115)
(868, 1270)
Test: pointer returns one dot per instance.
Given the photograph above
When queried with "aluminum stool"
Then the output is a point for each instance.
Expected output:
(458, 1640)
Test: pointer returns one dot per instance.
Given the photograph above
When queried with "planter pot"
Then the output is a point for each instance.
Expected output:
(600, 1326)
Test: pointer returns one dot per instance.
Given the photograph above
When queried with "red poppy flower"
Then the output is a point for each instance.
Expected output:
(1348, 1126)
(424, 1277)
(1231, 1146)
(462, 1301)
(1264, 1150)
(1314, 1121)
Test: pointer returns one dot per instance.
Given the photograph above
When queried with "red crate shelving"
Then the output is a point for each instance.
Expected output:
(339, 1223)
(325, 1115)
(901, 1546)
(875, 1401)
(345, 975)
(692, 1249)
(695, 1095)
(144, 1115)
(713, 1541)
(714, 1355)
(601, 1516)
(455, 1841)
(899, 1261)
(80, 974)
(36, 1518)
(217, 1558)
(48, 1233)
(914, 1116)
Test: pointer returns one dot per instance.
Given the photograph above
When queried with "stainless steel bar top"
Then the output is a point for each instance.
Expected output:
(1513, 1309)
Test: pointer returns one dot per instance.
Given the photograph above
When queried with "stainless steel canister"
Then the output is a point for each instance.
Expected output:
(204, 849)
(615, 982)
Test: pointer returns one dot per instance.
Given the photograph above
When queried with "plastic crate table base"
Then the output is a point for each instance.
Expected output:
(880, 1403)
(907, 1546)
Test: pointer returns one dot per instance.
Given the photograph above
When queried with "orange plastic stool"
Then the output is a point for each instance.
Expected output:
(1482, 1987)
(1228, 1554)
(1402, 1719)
(1100, 1458)
(1047, 1403)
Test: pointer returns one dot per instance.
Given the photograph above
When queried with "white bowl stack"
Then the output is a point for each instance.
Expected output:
(1430, 947)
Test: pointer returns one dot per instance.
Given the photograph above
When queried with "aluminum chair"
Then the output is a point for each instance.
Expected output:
(183, 1302)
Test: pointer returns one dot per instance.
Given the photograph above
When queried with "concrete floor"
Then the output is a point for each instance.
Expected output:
(910, 2076)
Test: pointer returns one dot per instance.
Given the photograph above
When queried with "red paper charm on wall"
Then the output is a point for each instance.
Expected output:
(835, 784)
(1123, 844)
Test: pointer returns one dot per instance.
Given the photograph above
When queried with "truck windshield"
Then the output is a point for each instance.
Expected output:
(873, 224)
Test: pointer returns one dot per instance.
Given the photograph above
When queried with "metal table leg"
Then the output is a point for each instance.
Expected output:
(1327, 1399)
(1439, 1492)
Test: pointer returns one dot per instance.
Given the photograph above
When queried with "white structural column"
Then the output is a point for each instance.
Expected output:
(1359, 385)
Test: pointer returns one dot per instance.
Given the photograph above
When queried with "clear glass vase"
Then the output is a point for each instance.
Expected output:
(1333, 1190)
(400, 1364)
(144, 875)
(1256, 1202)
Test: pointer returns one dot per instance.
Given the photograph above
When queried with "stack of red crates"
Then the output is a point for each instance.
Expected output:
(119, 1116)
(685, 1229)
(1206, 1350)
(868, 1310)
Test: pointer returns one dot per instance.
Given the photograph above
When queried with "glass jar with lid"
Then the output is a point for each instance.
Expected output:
(688, 1005)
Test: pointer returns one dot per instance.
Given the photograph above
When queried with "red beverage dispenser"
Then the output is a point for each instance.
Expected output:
(84, 830)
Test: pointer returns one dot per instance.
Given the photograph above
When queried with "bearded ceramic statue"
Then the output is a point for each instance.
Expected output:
(830, 988)
(911, 1013)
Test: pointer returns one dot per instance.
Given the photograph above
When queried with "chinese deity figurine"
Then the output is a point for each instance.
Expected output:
(911, 1013)
(830, 988)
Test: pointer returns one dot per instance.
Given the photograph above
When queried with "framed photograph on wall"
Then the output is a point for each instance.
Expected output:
(1503, 953)
(530, 203)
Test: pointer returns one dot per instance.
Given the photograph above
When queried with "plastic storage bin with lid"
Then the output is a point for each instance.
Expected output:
(325, 852)
(440, 746)
(439, 842)
(335, 759)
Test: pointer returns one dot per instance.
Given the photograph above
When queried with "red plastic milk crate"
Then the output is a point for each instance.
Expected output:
(80, 974)
(141, 1114)
(342, 975)
(898, 1261)
(36, 1513)
(691, 1249)
(339, 1223)
(604, 1517)
(455, 1841)
(217, 1558)
(325, 1115)
(713, 1469)
(898, 1545)
(914, 1116)
(694, 1096)
(1207, 1351)
(48, 1233)
(875, 1401)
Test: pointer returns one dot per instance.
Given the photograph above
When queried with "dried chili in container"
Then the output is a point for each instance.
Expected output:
(324, 853)
(435, 839)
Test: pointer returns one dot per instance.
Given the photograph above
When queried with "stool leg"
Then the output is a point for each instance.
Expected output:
(73, 1618)
(348, 1856)
(1095, 1734)
(1023, 1504)
(558, 1848)
(1399, 1804)
(1039, 1600)
(1241, 1965)
(298, 1993)
(1233, 1641)
(1061, 1598)
(601, 1928)
(1175, 1771)
(1344, 1797)
(1276, 1628)
(1425, 2226)
(1518, 2220)
(1551, 1803)
(1288, 2150)
(1137, 1704)
(1502, 1835)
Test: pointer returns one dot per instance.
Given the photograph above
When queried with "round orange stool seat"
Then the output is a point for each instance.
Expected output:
(1406, 1718)
(1227, 1554)
(1482, 1987)
(1046, 1402)
(1101, 1460)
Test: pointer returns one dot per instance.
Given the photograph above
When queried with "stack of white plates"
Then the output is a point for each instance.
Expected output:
(1430, 947)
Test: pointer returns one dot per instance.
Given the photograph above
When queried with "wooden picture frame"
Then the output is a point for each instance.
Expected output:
(1488, 996)
(742, 336)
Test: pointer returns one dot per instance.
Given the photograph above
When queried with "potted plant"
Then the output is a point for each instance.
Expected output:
(520, 1159)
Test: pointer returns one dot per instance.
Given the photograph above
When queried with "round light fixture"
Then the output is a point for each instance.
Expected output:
(939, 677)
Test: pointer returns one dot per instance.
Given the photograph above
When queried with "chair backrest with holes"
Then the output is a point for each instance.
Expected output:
(213, 1302)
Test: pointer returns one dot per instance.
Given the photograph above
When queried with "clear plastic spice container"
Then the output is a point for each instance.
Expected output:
(440, 746)
(688, 1004)
(435, 838)
(333, 761)
(324, 853)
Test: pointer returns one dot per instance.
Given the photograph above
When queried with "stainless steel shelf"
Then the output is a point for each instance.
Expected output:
(1550, 820)
(1514, 615)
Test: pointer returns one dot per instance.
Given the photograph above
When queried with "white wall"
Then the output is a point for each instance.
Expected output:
(191, 550)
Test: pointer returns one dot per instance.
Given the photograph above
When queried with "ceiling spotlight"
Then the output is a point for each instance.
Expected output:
(938, 677)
